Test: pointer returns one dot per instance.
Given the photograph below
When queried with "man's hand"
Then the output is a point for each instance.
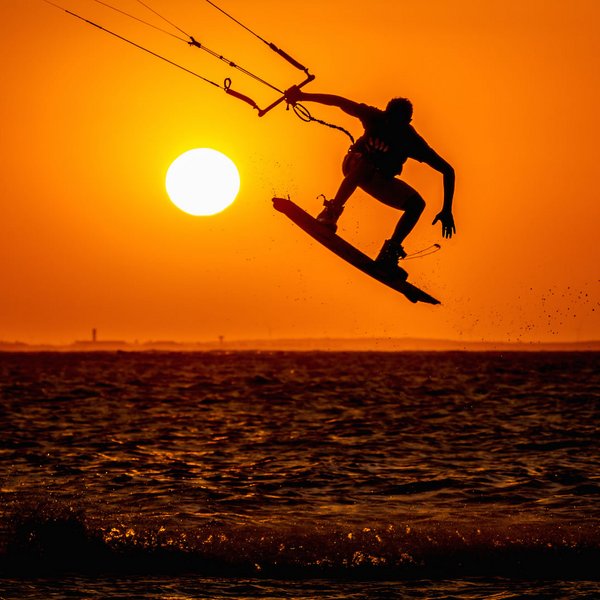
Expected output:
(447, 220)
(293, 95)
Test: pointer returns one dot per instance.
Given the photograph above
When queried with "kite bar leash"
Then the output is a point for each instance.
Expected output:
(423, 252)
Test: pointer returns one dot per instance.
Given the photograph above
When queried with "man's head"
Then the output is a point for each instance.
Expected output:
(400, 109)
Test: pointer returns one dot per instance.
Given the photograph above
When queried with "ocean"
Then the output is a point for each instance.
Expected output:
(335, 475)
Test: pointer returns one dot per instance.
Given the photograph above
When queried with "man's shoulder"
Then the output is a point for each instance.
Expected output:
(412, 132)
(419, 148)
(368, 112)
(415, 137)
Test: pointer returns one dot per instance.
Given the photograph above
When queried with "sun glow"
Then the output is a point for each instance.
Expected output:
(202, 182)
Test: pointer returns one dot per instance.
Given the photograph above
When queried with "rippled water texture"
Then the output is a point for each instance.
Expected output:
(447, 470)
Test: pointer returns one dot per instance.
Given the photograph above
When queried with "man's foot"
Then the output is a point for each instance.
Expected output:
(330, 214)
(389, 255)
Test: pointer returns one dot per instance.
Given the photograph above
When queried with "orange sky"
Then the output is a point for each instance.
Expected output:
(506, 91)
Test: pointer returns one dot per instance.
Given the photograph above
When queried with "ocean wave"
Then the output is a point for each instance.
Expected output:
(47, 542)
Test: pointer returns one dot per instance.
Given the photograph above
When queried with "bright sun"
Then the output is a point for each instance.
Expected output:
(202, 181)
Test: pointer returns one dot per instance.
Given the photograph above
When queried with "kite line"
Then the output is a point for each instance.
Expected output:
(300, 111)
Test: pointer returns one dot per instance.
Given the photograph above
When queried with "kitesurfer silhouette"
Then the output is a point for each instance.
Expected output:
(373, 163)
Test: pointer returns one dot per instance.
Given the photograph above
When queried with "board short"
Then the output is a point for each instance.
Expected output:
(387, 189)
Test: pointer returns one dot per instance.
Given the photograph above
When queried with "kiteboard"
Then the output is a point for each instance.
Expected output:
(322, 234)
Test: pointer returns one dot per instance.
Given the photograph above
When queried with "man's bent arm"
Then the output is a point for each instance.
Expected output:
(439, 164)
(436, 162)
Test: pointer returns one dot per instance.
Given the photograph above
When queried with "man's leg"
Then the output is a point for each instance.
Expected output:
(397, 194)
(413, 210)
(355, 170)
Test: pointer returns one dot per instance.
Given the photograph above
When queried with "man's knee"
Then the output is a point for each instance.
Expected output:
(415, 204)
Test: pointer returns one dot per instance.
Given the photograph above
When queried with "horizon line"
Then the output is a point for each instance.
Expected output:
(302, 343)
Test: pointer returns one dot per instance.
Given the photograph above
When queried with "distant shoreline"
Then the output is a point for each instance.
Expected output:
(308, 345)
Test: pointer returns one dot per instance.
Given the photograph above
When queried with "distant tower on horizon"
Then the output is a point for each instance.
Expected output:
(94, 332)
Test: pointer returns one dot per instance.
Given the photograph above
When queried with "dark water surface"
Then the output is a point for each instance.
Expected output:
(299, 475)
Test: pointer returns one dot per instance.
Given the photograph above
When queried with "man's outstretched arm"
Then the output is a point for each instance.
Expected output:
(295, 94)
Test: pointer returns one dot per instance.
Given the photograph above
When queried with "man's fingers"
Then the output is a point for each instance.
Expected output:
(448, 231)
(448, 227)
